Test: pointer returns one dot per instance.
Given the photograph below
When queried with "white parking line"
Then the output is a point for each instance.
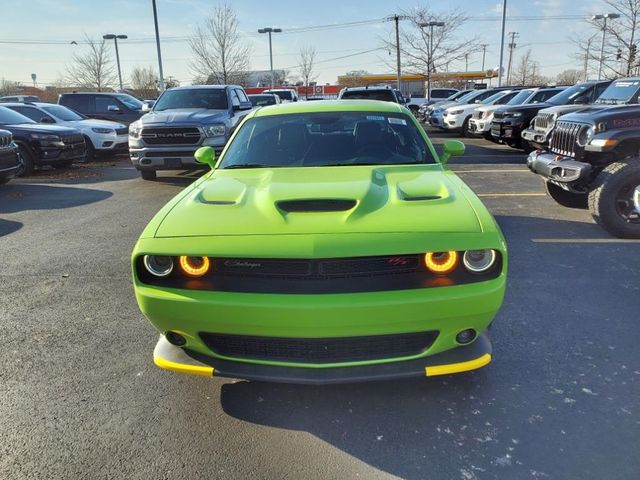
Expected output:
(584, 240)
(493, 171)
(525, 194)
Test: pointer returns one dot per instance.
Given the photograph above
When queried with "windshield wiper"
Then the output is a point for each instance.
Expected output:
(246, 165)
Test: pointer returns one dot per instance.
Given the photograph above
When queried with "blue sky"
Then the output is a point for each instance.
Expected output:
(66, 20)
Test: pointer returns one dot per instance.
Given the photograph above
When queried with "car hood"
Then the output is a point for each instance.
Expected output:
(464, 106)
(489, 108)
(564, 109)
(184, 116)
(92, 123)
(613, 114)
(262, 202)
(39, 128)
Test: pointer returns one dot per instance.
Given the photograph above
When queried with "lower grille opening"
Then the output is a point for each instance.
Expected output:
(320, 350)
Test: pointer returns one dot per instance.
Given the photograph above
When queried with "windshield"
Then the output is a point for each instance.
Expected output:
(570, 94)
(620, 91)
(207, 98)
(63, 113)
(324, 139)
(131, 102)
(9, 117)
(470, 97)
(520, 98)
(262, 100)
(493, 98)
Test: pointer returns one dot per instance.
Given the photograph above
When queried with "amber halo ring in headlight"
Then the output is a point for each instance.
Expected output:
(441, 262)
(195, 266)
(479, 261)
(158, 266)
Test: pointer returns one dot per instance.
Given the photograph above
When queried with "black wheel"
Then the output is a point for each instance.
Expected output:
(611, 201)
(26, 161)
(414, 110)
(148, 174)
(526, 146)
(91, 151)
(61, 165)
(565, 198)
(465, 127)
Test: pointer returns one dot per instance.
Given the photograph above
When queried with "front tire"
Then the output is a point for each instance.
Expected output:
(611, 200)
(91, 151)
(565, 198)
(148, 174)
(26, 161)
(465, 127)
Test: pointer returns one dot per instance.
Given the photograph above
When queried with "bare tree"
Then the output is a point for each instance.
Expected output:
(415, 42)
(527, 71)
(569, 77)
(620, 50)
(219, 53)
(8, 87)
(93, 69)
(307, 64)
(143, 78)
(352, 78)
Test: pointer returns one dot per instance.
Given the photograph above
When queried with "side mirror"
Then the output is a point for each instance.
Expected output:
(451, 148)
(206, 156)
(113, 108)
(47, 119)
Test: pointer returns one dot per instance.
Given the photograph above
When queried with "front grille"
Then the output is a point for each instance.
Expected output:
(176, 153)
(72, 139)
(564, 139)
(171, 136)
(498, 115)
(5, 141)
(543, 121)
(320, 350)
(122, 131)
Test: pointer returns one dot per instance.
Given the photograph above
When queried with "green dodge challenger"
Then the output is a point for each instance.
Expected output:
(328, 243)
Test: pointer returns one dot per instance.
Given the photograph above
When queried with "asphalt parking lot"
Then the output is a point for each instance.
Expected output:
(81, 398)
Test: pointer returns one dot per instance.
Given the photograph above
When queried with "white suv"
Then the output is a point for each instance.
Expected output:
(286, 94)
(480, 123)
(457, 117)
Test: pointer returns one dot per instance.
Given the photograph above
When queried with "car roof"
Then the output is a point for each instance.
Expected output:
(364, 89)
(330, 106)
(204, 87)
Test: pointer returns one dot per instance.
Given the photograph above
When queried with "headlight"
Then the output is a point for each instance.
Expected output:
(215, 131)
(512, 114)
(454, 112)
(479, 261)
(104, 130)
(195, 266)
(46, 136)
(441, 262)
(158, 266)
(135, 129)
(553, 120)
(585, 136)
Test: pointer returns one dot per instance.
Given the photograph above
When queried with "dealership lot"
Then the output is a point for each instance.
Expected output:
(82, 399)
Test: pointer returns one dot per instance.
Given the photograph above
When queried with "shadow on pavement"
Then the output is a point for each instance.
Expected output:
(7, 227)
(19, 197)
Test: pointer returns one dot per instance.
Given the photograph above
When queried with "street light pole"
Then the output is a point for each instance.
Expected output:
(604, 17)
(114, 37)
(430, 56)
(270, 30)
(504, 18)
(155, 21)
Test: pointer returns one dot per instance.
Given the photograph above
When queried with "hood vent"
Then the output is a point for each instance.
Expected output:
(422, 197)
(316, 205)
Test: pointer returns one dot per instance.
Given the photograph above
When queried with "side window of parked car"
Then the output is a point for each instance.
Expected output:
(241, 96)
(103, 102)
(598, 90)
(79, 103)
(29, 112)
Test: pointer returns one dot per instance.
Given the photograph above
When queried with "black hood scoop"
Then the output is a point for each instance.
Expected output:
(316, 205)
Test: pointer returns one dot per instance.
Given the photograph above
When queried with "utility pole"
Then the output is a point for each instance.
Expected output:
(504, 19)
(512, 47)
(430, 66)
(114, 37)
(586, 59)
(270, 30)
(155, 21)
(396, 18)
(484, 53)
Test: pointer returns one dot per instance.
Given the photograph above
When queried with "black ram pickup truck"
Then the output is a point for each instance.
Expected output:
(42, 144)
(593, 160)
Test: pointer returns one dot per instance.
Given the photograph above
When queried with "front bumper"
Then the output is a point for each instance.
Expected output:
(479, 126)
(167, 157)
(47, 155)
(461, 359)
(453, 122)
(563, 170)
(9, 161)
(110, 143)
(534, 136)
(436, 120)
(506, 131)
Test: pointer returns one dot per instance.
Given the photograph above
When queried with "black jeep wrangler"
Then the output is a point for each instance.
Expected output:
(593, 160)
